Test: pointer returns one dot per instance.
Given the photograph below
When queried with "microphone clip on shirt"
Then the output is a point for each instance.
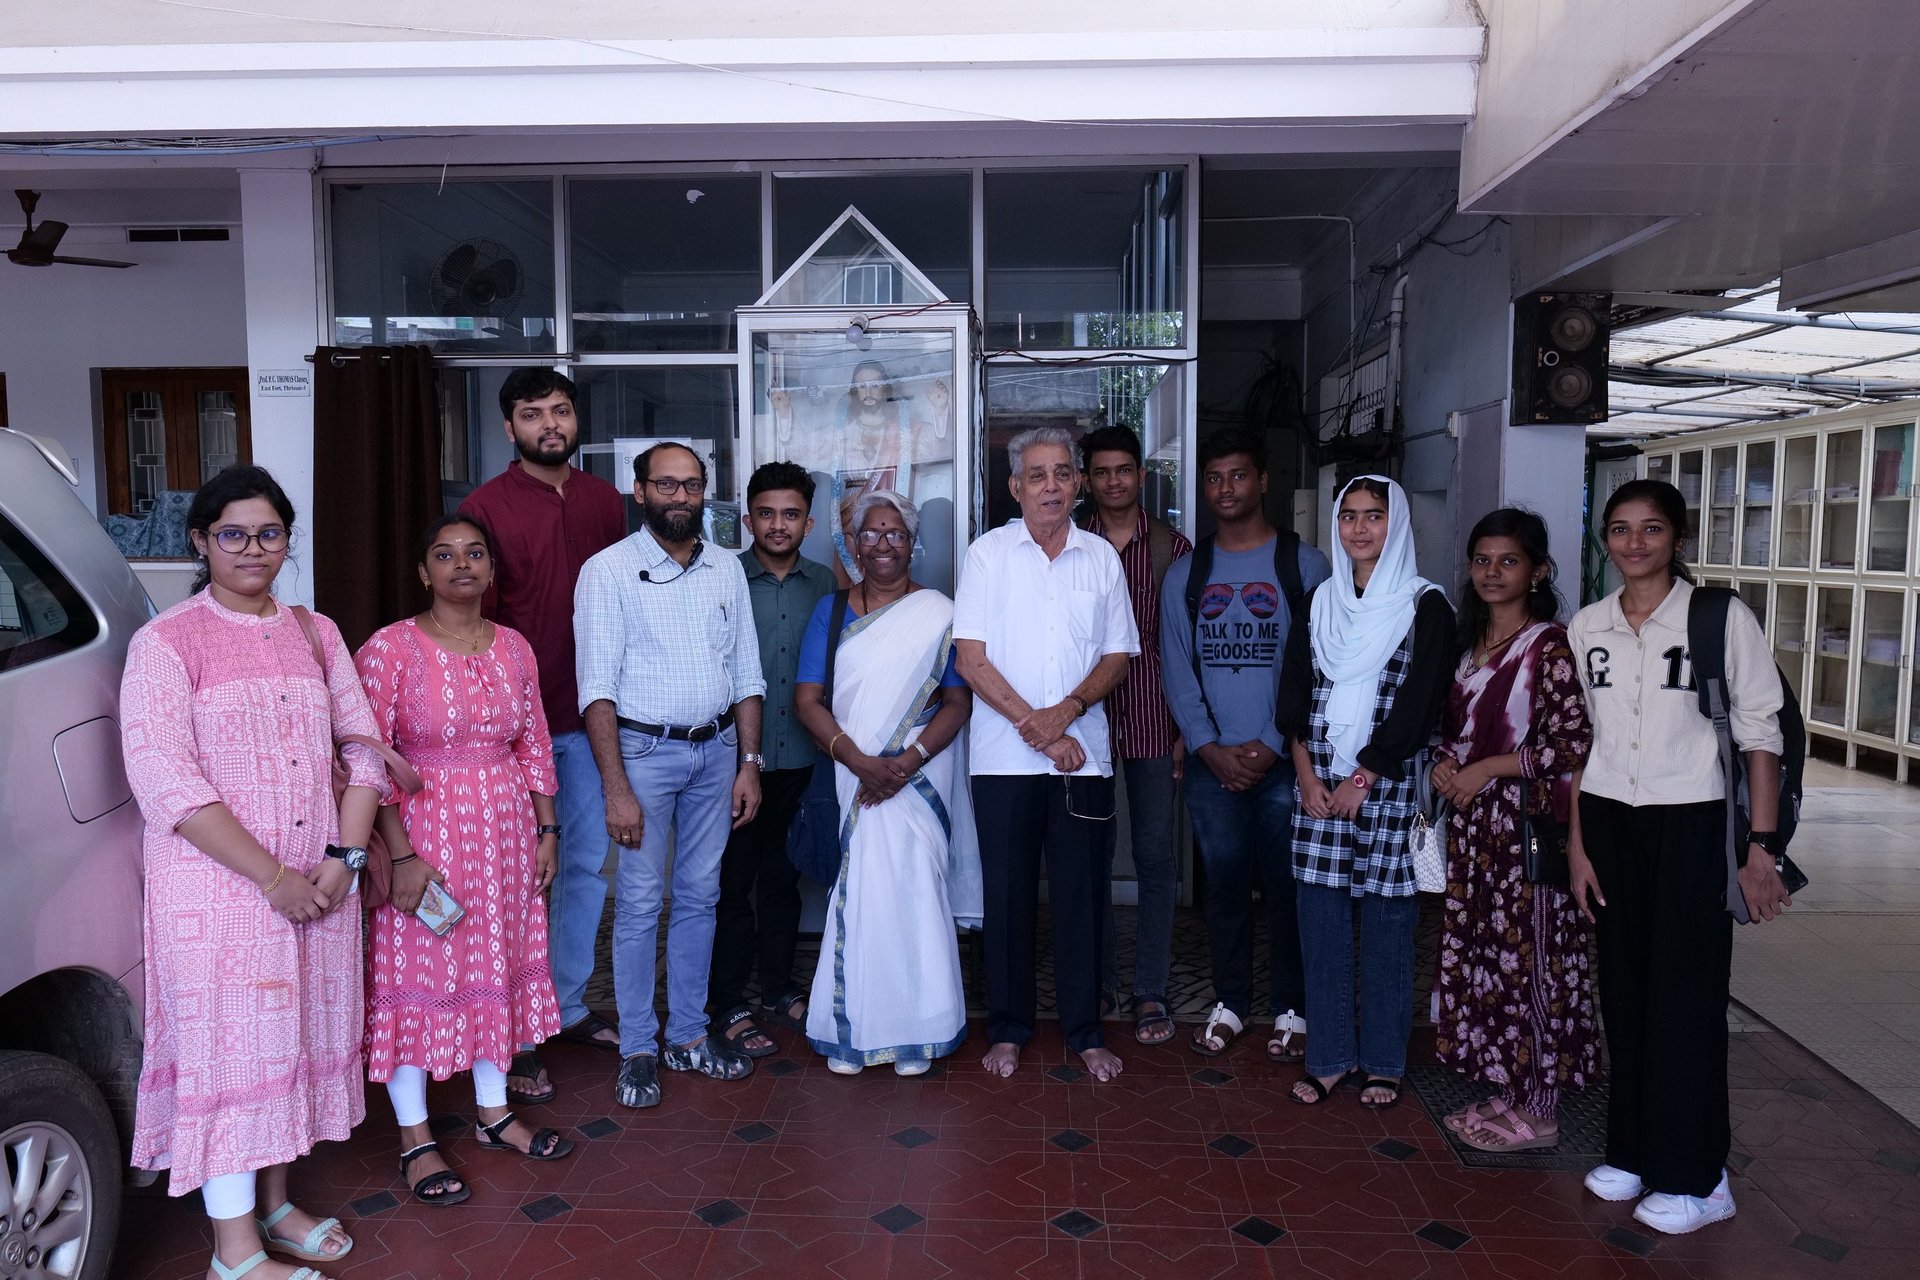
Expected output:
(647, 577)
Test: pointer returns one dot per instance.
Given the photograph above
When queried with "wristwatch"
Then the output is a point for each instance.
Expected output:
(547, 829)
(1360, 780)
(1768, 843)
(353, 855)
(753, 758)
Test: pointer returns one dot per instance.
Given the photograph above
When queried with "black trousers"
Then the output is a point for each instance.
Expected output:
(758, 916)
(1022, 819)
(1666, 957)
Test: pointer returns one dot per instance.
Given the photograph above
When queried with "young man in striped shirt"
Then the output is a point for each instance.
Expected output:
(1144, 735)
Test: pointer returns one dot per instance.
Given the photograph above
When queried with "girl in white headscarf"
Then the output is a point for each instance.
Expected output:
(1361, 694)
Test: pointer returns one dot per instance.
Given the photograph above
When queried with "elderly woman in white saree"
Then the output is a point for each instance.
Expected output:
(888, 987)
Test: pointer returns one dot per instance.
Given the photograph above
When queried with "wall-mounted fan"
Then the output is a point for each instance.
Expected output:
(37, 244)
(476, 278)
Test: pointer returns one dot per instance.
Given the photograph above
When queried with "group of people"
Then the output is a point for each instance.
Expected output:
(568, 691)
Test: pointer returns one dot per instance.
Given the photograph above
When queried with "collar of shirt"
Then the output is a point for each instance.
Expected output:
(1097, 524)
(805, 569)
(1670, 614)
(656, 555)
(1078, 539)
(517, 474)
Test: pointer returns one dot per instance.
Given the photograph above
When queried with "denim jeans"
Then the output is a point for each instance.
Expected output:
(1240, 835)
(1151, 792)
(685, 790)
(579, 892)
(1386, 980)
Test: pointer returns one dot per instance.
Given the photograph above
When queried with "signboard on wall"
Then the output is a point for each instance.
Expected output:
(283, 384)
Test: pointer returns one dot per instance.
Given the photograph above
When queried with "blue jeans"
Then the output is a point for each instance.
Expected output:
(1150, 798)
(1241, 834)
(1386, 980)
(685, 790)
(579, 892)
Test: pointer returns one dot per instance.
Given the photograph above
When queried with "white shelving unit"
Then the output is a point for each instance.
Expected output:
(1813, 521)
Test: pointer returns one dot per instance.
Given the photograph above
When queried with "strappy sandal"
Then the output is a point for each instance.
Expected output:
(307, 1250)
(1320, 1091)
(1468, 1116)
(432, 1188)
(738, 1029)
(1380, 1082)
(547, 1144)
(527, 1065)
(1152, 1023)
(234, 1273)
(780, 1012)
(587, 1031)
(1507, 1130)
(1221, 1016)
(1282, 1047)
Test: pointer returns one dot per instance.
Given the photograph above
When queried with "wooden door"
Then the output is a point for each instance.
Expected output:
(170, 429)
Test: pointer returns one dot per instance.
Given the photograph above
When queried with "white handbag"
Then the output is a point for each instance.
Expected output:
(1427, 839)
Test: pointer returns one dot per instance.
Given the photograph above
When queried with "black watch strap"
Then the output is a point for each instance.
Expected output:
(547, 829)
(1768, 841)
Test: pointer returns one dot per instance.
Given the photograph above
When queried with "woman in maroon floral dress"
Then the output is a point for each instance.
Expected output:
(1515, 1004)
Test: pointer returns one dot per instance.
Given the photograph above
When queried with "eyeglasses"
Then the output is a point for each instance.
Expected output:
(666, 488)
(1111, 811)
(235, 541)
(892, 537)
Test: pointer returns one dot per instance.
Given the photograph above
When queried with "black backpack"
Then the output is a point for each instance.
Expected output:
(1707, 648)
(1286, 571)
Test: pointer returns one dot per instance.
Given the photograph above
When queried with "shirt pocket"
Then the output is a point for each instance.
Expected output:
(1084, 617)
(718, 630)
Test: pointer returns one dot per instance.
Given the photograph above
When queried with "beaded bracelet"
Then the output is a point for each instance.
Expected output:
(275, 884)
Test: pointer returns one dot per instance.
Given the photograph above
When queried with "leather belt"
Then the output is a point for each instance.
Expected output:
(680, 732)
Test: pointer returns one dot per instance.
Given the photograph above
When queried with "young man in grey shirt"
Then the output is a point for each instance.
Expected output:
(1220, 661)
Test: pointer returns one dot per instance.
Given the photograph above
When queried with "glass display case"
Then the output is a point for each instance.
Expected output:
(1687, 478)
(1832, 654)
(1876, 706)
(1723, 474)
(1799, 495)
(1753, 594)
(1840, 502)
(1756, 506)
(1789, 635)
(1889, 498)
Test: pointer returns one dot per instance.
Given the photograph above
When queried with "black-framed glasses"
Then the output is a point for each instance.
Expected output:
(235, 541)
(892, 537)
(666, 487)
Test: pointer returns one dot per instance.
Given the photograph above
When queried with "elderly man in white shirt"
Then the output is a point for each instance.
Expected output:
(1043, 630)
(671, 690)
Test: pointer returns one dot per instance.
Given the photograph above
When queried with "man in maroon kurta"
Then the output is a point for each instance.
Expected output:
(547, 517)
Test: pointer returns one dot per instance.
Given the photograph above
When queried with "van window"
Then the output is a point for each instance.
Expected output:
(41, 615)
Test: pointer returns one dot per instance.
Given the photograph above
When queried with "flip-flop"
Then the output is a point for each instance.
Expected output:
(1379, 1082)
(738, 1039)
(1221, 1018)
(527, 1065)
(1320, 1091)
(587, 1031)
(1507, 1130)
(1151, 1013)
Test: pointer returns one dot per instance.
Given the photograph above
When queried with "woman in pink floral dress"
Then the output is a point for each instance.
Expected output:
(253, 1010)
(459, 698)
(1515, 993)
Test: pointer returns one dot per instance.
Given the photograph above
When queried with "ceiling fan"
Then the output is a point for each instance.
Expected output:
(37, 244)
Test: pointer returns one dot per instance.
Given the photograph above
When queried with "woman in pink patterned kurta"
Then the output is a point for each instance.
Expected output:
(459, 698)
(253, 1008)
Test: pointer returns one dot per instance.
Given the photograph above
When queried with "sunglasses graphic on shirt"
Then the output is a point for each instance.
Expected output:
(1261, 598)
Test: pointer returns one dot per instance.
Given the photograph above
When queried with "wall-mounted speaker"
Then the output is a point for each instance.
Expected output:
(1560, 357)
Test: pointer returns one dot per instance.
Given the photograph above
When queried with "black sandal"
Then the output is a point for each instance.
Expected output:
(547, 1144)
(738, 1038)
(1320, 1091)
(780, 1013)
(432, 1188)
(587, 1031)
(1150, 1014)
(1379, 1082)
(527, 1065)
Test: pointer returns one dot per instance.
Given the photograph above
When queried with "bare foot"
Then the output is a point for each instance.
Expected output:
(1002, 1059)
(1102, 1064)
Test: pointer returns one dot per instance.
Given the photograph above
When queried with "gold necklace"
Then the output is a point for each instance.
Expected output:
(1487, 652)
(443, 629)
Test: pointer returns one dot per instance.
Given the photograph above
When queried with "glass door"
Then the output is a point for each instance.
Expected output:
(1876, 707)
(1724, 469)
(1913, 684)
(1890, 499)
(1840, 502)
(1789, 634)
(1688, 480)
(1832, 654)
(1800, 492)
(1756, 507)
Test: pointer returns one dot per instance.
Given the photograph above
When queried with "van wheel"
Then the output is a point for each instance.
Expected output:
(60, 1168)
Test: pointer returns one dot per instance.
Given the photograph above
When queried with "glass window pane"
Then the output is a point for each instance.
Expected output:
(660, 264)
(1079, 399)
(1689, 483)
(146, 449)
(219, 433)
(1889, 514)
(1840, 504)
(1796, 512)
(857, 420)
(928, 217)
(1756, 509)
(467, 266)
(41, 614)
(1831, 657)
(1085, 258)
(1790, 636)
(623, 412)
(1877, 700)
(1725, 463)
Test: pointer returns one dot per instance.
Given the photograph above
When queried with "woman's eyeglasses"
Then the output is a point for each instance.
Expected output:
(234, 541)
(892, 537)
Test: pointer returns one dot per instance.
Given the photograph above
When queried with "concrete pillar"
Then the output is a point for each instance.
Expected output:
(280, 240)
(1544, 468)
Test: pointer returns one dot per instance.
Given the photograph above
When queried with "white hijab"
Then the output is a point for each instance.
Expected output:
(1354, 635)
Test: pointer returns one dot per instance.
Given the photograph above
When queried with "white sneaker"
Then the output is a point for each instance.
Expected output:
(919, 1068)
(840, 1067)
(1610, 1183)
(1677, 1215)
